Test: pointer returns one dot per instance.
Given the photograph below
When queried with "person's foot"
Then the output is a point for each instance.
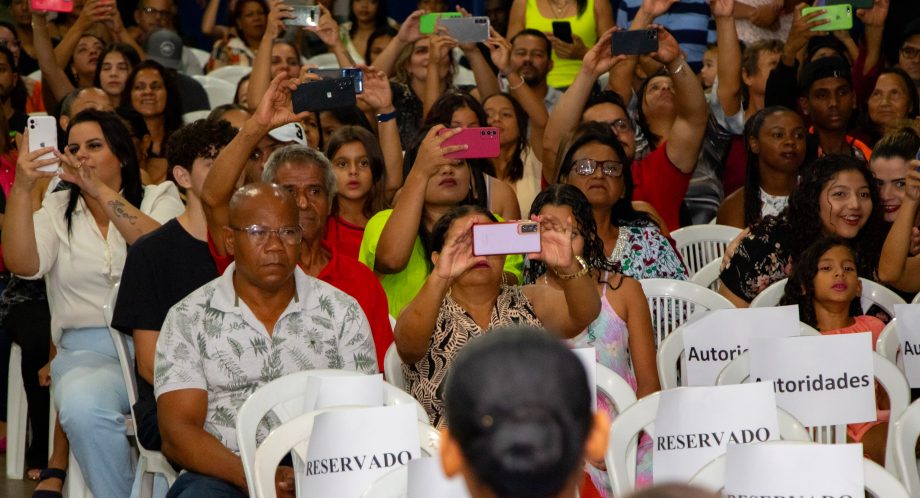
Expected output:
(51, 483)
(34, 474)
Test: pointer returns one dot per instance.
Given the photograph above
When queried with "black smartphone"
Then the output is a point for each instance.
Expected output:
(563, 31)
(345, 72)
(323, 95)
(638, 42)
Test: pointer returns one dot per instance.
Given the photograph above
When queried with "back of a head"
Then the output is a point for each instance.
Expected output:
(518, 404)
(674, 491)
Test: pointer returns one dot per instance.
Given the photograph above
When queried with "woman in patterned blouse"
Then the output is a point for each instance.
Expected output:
(464, 297)
(595, 163)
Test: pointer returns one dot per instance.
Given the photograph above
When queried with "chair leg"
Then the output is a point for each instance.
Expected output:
(17, 409)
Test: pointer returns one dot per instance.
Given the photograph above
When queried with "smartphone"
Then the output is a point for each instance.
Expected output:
(346, 72)
(52, 5)
(428, 22)
(43, 133)
(323, 95)
(563, 31)
(467, 29)
(857, 4)
(514, 237)
(840, 17)
(638, 42)
(483, 143)
(304, 15)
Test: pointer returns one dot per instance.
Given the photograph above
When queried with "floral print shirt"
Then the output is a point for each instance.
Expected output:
(212, 341)
(643, 252)
(761, 259)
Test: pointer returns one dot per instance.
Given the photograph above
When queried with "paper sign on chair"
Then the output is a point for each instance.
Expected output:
(820, 380)
(426, 479)
(794, 469)
(909, 338)
(349, 449)
(695, 424)
(715, 338)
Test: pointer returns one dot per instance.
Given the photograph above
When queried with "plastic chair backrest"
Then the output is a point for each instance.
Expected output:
(876, 293)
(671, 350)
(701, 244)
(201, 56)
(878, 480)
(283, 438)
(614, 388)
(219, 91)
(886, 373)
(771, 295)
(286, 388)
(672, 302)
(121, 346)
(624, 433)
(708, 276)
(393, 484)
(888, 344)
(392, 368)
(906, 433)
(916, 299)
(191, 117)
(230, 74)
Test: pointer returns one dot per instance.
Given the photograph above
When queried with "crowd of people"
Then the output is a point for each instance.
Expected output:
(263, 241)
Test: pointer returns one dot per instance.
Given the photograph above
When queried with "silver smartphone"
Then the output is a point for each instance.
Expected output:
(467, 29)
(304, 14)
(43, 133)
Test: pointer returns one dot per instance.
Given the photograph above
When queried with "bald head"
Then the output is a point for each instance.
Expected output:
(254, 198)
(82, 99)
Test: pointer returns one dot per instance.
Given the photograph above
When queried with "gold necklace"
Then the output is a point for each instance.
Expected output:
(559, 10)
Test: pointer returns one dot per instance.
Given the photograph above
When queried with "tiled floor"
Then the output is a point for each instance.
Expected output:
(11, 488)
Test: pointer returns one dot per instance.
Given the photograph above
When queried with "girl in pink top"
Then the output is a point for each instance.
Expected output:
(825, 285)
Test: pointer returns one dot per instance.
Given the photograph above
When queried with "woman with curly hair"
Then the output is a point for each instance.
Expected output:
(835, 196)
(622, 333)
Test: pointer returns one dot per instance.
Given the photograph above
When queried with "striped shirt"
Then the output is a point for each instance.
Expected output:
(688, 20)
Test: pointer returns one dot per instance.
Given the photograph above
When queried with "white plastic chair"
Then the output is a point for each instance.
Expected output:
(17, 410)
(392, 368)
(624, 434)
(201, 56)
(708, 276)
(770, 296)
(878, 481)
(614, 388)
(393, 484)
(672, 302)
(906, 433)
(886, 373)
(324, 61)
(699, 245)
(286, 388)
(150, 462)
(191, 117)
(230, 74)
(888, 344)
(916, 299)
(298, 430)
(219, 91)
(671, 351)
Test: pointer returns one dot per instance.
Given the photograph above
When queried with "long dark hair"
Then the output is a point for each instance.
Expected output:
(515, 168)
(385, 30)
(562, 194)
(752, 201)
(622, 212)
(800, 288)
(375, 200)
(118, 138)
(172, 113)
(902, 142)
(380, 19)
(803, 212)
(124, 49)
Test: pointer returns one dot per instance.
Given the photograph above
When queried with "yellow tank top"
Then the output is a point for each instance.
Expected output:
(564, 70)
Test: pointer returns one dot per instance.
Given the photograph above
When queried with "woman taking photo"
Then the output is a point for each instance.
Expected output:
(594, 162)
(249, 18)
(835, 196)
(115, 64)
(775, 146)
(152, 92)
(78, 241)
(466, 296)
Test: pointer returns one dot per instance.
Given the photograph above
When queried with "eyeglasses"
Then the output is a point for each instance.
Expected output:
(910, 52)
(621, 125)
(259, 234)
(9, 43)
(587, 167)
(150, 11)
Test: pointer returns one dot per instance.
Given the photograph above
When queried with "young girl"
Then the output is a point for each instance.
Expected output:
(825, 284)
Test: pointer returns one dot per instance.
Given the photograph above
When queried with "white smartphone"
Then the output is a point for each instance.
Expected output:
(43, 133)
(515, 237)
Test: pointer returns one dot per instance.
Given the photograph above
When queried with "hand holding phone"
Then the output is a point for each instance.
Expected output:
(52, 5)
(563, 31)
(303, 14)
(43, 133)
(323, 95)
(839, 17)
(353, 73)
(638, 42)
(428, 22)
(515, 237)
(467, 29)
(482, 143)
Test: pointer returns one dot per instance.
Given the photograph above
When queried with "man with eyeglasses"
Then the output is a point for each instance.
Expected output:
(262, 319)
(150, 16)
(909, 53)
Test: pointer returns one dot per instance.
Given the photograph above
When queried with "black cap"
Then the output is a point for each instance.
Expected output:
(165, 47)
(825, 67)
(912, 28)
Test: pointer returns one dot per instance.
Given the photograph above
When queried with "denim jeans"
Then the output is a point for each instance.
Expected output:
(91, 399)
(192, 485)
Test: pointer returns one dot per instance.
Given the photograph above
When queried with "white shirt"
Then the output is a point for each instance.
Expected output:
(80, 266)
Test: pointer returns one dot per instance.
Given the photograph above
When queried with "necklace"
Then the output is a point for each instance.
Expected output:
(559, 9)
(620, 247)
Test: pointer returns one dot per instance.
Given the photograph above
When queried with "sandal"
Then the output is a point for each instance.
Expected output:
(50, 474)
(34, 474)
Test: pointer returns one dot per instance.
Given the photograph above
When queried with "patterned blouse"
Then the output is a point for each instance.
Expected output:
(453, 329)
(761, 259)
(643, 252)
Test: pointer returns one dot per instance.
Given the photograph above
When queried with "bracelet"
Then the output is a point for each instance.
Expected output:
(680, 67)
(580, 273)
(519, 85)
(383, 118)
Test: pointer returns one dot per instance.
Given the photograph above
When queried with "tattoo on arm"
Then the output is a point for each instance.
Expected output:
(119, 208)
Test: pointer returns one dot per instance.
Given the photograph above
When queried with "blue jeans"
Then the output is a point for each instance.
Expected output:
(91, 399)
(192, 485)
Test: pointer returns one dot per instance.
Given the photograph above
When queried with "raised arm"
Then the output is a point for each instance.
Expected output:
(686, 137)
(55, 80)
(729, 57)
(438, 49)
(93, 11)
(398, 236)
(379, 96)
(874, 21)
(516, 18)
(209, 24)
(328, 31)
(642, 349)
(407, 35)
(261, 75)
(896, 267)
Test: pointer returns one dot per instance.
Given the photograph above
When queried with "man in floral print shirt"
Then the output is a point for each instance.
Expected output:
(262, 319)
